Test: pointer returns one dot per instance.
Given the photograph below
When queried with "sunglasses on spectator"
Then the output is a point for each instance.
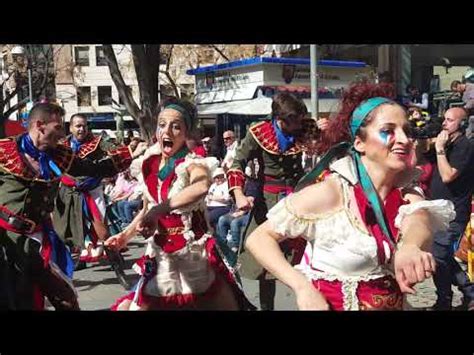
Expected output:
(227, 138)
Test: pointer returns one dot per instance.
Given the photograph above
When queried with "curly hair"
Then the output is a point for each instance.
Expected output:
(339, 126)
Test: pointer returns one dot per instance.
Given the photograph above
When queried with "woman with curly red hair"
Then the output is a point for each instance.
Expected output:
(368, 228)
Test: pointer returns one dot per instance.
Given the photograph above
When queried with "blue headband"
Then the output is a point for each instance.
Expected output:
(361, 112)
(187, 117)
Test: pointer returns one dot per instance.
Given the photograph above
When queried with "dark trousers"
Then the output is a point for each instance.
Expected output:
(267, 291)
(448, 271)
(20, 268)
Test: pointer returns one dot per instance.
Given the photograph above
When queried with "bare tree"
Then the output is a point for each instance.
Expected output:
(146, 60)
(39, 59)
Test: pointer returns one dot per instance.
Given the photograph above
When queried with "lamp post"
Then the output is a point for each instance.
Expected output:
(121, 111)
(314, 80)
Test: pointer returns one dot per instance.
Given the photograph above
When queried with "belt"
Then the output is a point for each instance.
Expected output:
(16, 223)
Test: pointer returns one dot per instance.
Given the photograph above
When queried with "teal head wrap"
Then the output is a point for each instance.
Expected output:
(188, 120)
(358, 117)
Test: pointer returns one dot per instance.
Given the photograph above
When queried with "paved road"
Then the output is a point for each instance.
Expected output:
(98, 287)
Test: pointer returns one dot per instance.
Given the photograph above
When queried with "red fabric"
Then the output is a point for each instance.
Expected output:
(68, 181)
(264, 133)
(276, 189)
(92, 206)
(187, 300)
(199, 150)
(13, 128)
(391, 205)
(296, 246)
(150, 174)
(235, 178)
(380, 294)
(121, 157)
(11, 160)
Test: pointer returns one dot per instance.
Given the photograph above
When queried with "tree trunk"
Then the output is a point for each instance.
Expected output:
(146, 62)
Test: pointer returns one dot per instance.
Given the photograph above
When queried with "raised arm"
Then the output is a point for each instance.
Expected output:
(413, 262)
(263, 242)
(247, 149)
(199, 183)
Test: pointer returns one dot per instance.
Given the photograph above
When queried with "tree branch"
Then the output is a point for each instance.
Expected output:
(10, 95)
(117, 78)
(213, 46)
(16, 107)
(172, 82)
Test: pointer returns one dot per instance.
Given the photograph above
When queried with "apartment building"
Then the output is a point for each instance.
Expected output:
(84, 84)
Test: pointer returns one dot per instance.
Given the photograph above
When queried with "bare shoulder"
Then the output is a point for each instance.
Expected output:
(322, 197)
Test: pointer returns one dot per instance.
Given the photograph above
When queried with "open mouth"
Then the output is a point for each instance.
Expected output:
(167, 145)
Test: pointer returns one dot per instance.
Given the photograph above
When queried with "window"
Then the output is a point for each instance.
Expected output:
(105, 95)
(100, 60)
(84, 96)
(81, 55)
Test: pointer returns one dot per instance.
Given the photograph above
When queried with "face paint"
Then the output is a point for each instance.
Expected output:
(386, 137)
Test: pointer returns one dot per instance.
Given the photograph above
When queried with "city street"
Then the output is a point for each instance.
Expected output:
(98, 288)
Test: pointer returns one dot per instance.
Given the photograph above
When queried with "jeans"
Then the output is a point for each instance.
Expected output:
(126, 209)
(215, 212)
(129, 208)
(448, 271)
(235, 225)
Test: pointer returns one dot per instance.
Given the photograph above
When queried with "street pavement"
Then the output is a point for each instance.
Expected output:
(98, 287)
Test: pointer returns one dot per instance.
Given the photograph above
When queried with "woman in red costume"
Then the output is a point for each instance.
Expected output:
(182, 267)
(368, 227)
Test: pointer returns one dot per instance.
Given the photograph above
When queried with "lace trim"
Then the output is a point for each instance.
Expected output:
(349, 295)
(182, 179)
(349, 284)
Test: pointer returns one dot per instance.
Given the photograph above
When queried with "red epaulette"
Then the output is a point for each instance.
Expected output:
(86, 148)
(12, 162)
(265, 135)
(89, 147)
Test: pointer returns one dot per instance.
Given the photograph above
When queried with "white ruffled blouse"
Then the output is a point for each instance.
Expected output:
(340, 247)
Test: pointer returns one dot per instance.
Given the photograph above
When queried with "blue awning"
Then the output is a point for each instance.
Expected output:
(271, 60)
(104, 117)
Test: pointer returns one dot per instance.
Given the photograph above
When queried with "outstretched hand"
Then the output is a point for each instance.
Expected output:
(116, 242)
(412, 265)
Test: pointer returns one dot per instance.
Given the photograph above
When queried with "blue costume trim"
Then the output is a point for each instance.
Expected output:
(285, 141)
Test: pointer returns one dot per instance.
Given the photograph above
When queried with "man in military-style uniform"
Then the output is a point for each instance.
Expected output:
(79, 213)
(273, 143)
(33, 260)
